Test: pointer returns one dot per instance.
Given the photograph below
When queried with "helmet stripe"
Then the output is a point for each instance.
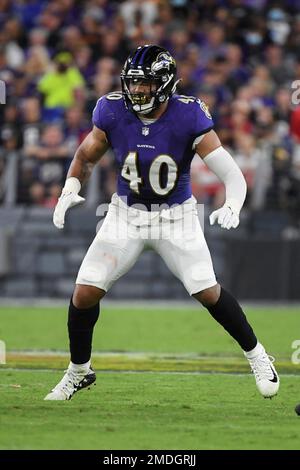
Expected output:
(137, 54)
(143, 54)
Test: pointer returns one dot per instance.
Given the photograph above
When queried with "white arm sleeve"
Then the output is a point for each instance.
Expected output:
(222, 164)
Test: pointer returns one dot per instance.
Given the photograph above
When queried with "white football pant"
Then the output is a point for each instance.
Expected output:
(175, 234)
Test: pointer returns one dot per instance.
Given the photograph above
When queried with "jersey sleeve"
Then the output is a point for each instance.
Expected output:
(202, 119)
(102, 114)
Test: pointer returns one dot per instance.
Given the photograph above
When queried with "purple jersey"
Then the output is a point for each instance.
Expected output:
(153, 159)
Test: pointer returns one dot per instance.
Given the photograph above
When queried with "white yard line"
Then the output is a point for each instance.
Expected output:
(130, 354)
(136, 304)
(100, 371)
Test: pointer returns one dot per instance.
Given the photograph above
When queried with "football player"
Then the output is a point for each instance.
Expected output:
(154, 134)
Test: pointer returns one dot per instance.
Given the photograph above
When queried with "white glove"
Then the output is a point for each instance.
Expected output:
(69, 198)
(226, 217)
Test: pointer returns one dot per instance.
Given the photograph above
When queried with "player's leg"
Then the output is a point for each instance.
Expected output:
(112, 253)
(225, 309)
(189, 259)
(82, 317)
(83, 314)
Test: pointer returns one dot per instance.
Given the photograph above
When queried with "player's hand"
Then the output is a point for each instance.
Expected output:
(67, 199)
(226, 217)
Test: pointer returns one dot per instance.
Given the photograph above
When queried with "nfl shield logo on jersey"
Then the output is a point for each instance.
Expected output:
(145, 130)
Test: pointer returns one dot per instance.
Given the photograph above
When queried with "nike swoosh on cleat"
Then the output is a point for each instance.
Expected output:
(275, 378)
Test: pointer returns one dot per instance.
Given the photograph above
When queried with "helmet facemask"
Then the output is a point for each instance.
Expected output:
(142, 93)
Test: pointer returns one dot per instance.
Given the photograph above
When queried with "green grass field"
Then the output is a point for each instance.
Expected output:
(167, 379)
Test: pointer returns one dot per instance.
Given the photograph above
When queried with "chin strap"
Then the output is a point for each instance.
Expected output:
(175, 85)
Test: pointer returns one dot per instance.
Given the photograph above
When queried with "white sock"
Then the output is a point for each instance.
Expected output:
(255, 351)
(80, 367)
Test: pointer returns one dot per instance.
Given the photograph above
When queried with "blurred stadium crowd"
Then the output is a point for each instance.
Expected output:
(241, 57)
